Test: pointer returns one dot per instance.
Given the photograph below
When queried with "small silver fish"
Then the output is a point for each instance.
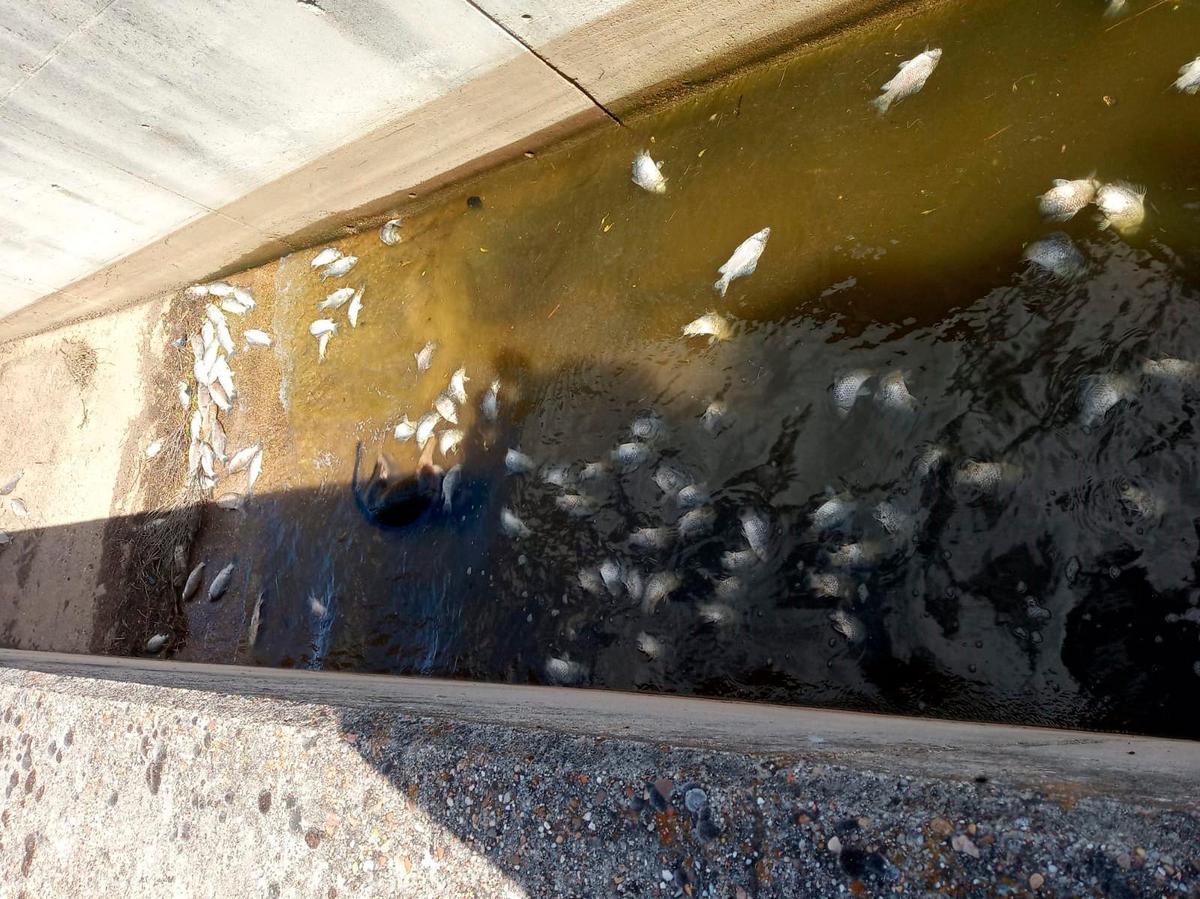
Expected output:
(589, 579)
(1123, 206)
(195, 424)
(231, 501)
(193, 582)
(826, 585)
(985, 477)
(156, 643)
(208, 460)
(253, 470)
(196, 291)
(757, 531)
(325, 257)
(512, 525)
(221, 327)
(425, 425)
(714, 613)
(692, 495)
(1142, 502)
(242, 458)
(635, 586)
(458, 385)
(220, 289)
(1188, 81)
(647, 175)
(255, 620)
(18, 508)
(449, 485)
(696, 522)
(848, 387)
(659, 586)
(610, 573)
(390, 232)
(185, 398)
(893, 519)
(833, 513)
(233, 306)
(322, 326)
(576, 504)
(255, 337)
(355, 307)
(631, 455)
(216, 437)
(449, 440)
(715, 417)
(593, 471)
(490, 403)
(1171, 369)
(220, 583)
(323, 345)
(405, 430)
(855, 555)
(445, 408)
(743, 262)
(193, 459)
(658, 538)
(338, 267)
(711, 325)
(11, 484)
(908, 80)
(336, 299)
(847, 625)
(518, 463)
(562, 671)
(739, 560)
(154, 449)
(424, 356)
(929, 460)
(648, 427)
(670, 480)
(649, 646)
(729, 588)
(1062, 201)
(1100, 393)
(1056, 254)
(893, 393)
(224, 377)
(243, 296)
(556, 475)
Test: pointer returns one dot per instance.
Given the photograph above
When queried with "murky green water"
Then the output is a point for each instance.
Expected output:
(895, 245)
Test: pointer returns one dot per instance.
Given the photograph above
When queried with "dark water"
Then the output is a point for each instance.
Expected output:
(1067, 596)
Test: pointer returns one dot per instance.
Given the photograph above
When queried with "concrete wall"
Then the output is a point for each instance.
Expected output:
(146, 145)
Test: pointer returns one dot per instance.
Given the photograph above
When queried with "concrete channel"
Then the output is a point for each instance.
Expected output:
(143, 776)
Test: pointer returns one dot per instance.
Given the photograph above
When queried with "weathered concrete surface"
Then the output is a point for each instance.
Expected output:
(231, 796)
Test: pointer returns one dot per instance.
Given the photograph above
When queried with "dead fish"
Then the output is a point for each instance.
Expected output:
(317, 606)
(744, 260)
(156, 643)
(1142, 502)
(714, 613)
(630, 456)
(848, 387)
(255, 620)
(556, 475)
(196, 343)
(390, 232)
(193, 582)
(425, 425)
(11, 485)
(1098, 394)
(322, 326)
(1057, 255)
(154, 449)
(338, 267)
(728, 589)
(1062, 201)
(648, 427)
(826, 585)
(833, 513)
(562, 671)
(185, 398)
(576, 504)
(206, 483)
(220, 289)
(1123, 206)
(847, 625)
(855, 555)
(220, 583)
(355, 307)
(692, 495)
(5, 538)
(757, 531)
(610, 573)
(219, 396)
(490, 403)
(593, 471)
(323, 345)
(325, 257)
(739, 560)
(892, 519)
(193, 458)
(1115, 8)
(516, 462)
(243, 296)
(659, 586)
(221, 327)
(242, 458)
(231, 501)
(425, 356)
(589, 579)
(634, 585)
(647, 175)
(513, 525)
(196, 291)
(1188, 81)
(985, 477)
(458, 388)
(648, 646)
(449, 485)
(893, 393)
(18, 508)
(908, 80)
(696, 522)
(208, 460)
(711, 325)
(445, 407)
(253, 471)
(449, 440)
(654, 539)
(336, 299)
(255, 337)
(929, 460)
(715, 417)
(233, 306)
(670, 480)
(405, 430)
(1171, 369)
(224, 377)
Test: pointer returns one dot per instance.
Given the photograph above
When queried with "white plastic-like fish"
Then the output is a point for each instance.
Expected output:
(233, 306)
(323, 345)
(11, 484)
(449, 485)
(714, 613)
(711, 325)
(658, 538)
(576, 504)
(156, 643)
(893, 393)
(744, 260)
(649, 646)
(222, 328)
(648, 427)
(647, 175)
(390, 232)
(512, 525)
(425, 356)
(1123, 206)
(219, 396)
(696, 522)
(589, 579)
(848, 387)
(322, 326)
(909, 80)
(564, 672)
(255, 620)
(208, 461)
(224, 376)
(220, 289)
(610, 573)
(1057, 254)
(193, 583)
(659, 586)
(356, 305)
(739, 560)
(1171, 369)
(729, 588)
(832, 513)
(855, 555)
(220, 583)
(1062, 201)
(985, 477)
(255, 337)
(1099, 393)
(757, 531)
(516, 462)
(449, 440)
(1188, 81)
(253, 471)
(425, 425)
(325, 257)
(692, 495)
(715, 417)
(195, 423)
(635, 586)
(631, 455)
(489, 405)
(338, 267)
(404, 430)
(336, 299)
(458, 388)
(243, 296)
(445, 407)
(197, 291)
(185, 398)
(242, 458)
(670, 480)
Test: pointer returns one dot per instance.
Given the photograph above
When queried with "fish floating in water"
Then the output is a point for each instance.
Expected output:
(1057, 255)
(648, 427)
(610, 574)
(739, 560)
(744, 260)
(692, 495)
(404, 430)
(696, 522)
(355, 307)
(1142, 502)
(1062, 201)
(458, 385)
(1188, 81)
(255, 337)
(1123, 206)
(425, 425)
(445, 408)
(512, 524)
(833, 513)
(893, 393)
(322, 326)
(556, 475)
(630, 456)
(576, 504)
(1100, 393)
(711, 325)
(220, 583)
(908, 80)
(516, 462)
(654, 539)
(339, 267)
(490, 403)
(847, 625)
(325, 257)
(670, 480)
(757, 531)
(390, 232)
(848, 387)
(985, 477)
(424, 356)
(855, 555)
(649, 646)
(647, 174)
(242, 458)
(715, 417)
(1171, 369)
(635, 586)
(450, 485)
(449, 440)
(562, 671)
(336, 299)
(659, 586)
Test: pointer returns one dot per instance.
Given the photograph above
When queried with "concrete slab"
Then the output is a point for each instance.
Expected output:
(30, 33)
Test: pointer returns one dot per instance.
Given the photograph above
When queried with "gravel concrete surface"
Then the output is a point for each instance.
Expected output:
(135, 790)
